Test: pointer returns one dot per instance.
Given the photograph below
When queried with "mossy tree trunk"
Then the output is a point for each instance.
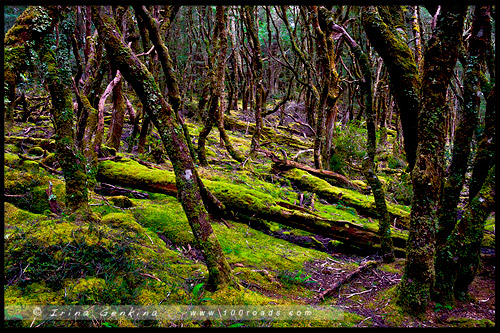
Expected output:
(403, 72)
(478, 44)
(485, 153)
(258, 77)
(174, 96)
(30, 30)
(369, 167)
(173, 138)
(217, 75)
(440, 57)
(458, 261)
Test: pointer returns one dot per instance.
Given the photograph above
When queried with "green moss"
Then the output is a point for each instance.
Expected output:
(470, 323)
(364, 204)
(30, 186)
(11, 160)
(121, 201)
(166, 217)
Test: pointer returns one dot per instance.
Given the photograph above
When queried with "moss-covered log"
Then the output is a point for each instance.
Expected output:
(336, 178)
(267, 133)
(363, 204)
(238, 200)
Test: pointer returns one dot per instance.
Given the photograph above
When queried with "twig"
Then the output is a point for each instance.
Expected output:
(151, 276)
(361, 292)
(363, 321)
(346, 279)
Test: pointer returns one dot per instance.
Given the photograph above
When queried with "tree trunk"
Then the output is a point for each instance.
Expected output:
(457, 262)
(403, 72)
(172, 135)
(439, 61)
(478, 43)
(117, 117)
(257, 67)
(485, 153)
(34, 24)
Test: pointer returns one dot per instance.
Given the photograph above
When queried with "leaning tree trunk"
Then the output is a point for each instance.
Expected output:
(369, 167)
(403, 72)
(427, 176)
(174, 96)
(478, 44)
(173, 138)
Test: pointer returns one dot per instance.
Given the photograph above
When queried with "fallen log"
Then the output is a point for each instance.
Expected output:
(364, 205)
(330, 291)
(240, 201)
(268, 133)
(48, 144)
(112, 190)
(286, 164)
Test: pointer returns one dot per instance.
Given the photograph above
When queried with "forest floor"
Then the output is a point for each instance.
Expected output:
(275, 263)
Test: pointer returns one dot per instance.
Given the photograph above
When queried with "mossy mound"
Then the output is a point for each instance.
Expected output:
(27, 189)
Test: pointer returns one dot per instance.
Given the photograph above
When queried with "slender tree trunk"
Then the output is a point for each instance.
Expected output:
(257, 67)
(427, 176)
(172, 135)
(117, 117)
(369, 167)
(485, 153)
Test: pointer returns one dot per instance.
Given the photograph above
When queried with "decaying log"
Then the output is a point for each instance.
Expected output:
(47, 144)
(366, 206)
(330, 291)
(286, 164)
(239, 201)
(112, 190)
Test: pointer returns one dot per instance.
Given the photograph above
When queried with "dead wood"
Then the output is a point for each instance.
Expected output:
(112, 190)
(286, 164)
(330, 291)
(238, 201)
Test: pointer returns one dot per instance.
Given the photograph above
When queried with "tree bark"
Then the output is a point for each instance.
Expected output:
(403, 72)
(478, 44)
(485, 153)
(440, 58)
(173, 138)
(457, 262)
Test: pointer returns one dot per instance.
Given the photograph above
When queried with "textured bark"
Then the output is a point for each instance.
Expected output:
(35, 23)
(70, 160)
(428, 173)
(403, 72)
(478, 44)
(458, 261)
(117, 117)
(257, 67)
(172, 83)
(172, 135)
(369, 167)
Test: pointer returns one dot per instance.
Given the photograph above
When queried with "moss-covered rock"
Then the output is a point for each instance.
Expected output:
(121, 201)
